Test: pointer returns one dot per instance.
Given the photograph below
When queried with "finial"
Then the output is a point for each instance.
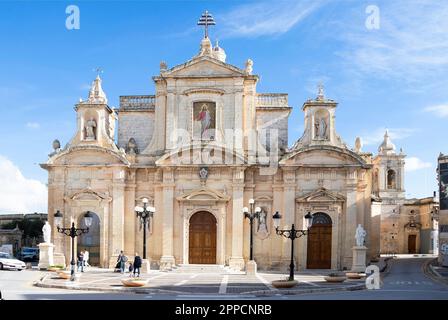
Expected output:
(358, 144)
(249, 66)
(320, 92)
(98, 71)
(163, 66)
(206, 20)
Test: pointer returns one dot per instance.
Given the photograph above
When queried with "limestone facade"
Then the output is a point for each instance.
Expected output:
(207, 141)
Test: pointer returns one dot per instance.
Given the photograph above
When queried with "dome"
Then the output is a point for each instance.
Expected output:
(387, 147)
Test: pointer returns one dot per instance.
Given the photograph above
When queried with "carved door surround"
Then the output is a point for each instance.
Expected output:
(209, 200)
(330, 203)
(84, 200)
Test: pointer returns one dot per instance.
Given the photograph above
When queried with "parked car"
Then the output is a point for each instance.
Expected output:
(29, 254)
(7, 261)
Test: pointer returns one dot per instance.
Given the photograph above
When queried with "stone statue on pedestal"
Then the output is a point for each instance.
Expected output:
(46, 230)
(360, 235)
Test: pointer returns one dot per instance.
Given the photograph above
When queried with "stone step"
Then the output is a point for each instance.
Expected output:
(200, 268)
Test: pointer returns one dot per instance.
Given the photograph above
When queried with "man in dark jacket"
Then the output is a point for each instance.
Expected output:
(137, 264)
(122, 259)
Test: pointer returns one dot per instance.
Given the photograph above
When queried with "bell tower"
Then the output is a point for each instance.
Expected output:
(95, 119)
(389, 170)
(320, 122)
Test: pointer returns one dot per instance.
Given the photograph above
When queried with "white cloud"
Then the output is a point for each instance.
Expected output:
(411, 43)
(19, 194)
(33, 125)
(375, 137)
(440, 110)
(265, 18)
(414, 163)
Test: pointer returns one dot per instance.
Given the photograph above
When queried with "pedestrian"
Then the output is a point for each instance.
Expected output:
(122, 260)
(137, 264)
(81, 261)
(86, 258)
(131, 268)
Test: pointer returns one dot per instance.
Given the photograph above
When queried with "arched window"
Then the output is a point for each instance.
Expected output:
(391, 179)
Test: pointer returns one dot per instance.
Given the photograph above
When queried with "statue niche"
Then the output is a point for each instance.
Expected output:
(90, 130)
(321, 121)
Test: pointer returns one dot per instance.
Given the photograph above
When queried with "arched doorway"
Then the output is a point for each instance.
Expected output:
(202, 238)
(319, 242)
(90, 241)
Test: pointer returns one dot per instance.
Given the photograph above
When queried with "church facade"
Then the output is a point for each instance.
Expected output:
(198, 150)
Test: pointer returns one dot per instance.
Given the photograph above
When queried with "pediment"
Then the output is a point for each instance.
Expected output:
(88, 156)
(328, 156)
(203, 195)
(89, 195)
(204, 67)
(321, 195)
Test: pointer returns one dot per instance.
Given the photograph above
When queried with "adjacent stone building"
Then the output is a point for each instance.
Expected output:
(198, 150)
(442, 171)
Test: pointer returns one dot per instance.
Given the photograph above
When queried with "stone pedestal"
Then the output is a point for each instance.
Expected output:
(45, 255)
(167, 263)
(359, 259)
(236, 263)
(251, 268)
(146, 266)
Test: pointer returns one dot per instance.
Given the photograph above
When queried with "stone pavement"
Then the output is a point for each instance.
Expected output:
(104, 280)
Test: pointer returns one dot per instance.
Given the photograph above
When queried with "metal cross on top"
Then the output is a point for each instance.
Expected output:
(98, 70)
(206, 20)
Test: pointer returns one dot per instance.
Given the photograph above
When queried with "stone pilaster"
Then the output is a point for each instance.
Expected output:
(116, 223)
(167, 260)
(236, 260)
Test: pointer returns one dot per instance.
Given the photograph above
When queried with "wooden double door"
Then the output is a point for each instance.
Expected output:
(319, 242)
(202, 238)
(412, 243)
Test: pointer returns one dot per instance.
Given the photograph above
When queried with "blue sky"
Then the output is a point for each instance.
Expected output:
(393, 77)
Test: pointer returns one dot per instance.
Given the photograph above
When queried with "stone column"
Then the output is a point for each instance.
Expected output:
(116, 223)
(171, 120)
(130, 221)
(167, 260)
(350, 219)
(289, 192)
(236, 260)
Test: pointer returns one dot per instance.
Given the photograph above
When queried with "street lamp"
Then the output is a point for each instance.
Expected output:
(251, 215)
(292, 234)
(73, 233)
(144, 214)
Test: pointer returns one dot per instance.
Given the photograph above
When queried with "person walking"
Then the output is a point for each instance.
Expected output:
(81, 261)
(122, 260)
(137, 264)
(86, 258)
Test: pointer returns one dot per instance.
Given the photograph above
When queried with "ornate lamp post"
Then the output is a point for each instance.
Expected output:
(73, 233)
(144, 214)
(292, 234)
(251, 215)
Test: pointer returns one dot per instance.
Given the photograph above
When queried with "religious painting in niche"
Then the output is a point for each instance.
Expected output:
(321, 121)
(443, 192)
(204, 120)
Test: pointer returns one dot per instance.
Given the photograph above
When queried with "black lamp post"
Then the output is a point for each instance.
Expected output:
(73, 233)
(292, 234)
(251, 215)
(144, 214)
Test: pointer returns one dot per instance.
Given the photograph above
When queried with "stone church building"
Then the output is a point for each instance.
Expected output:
(199, 149)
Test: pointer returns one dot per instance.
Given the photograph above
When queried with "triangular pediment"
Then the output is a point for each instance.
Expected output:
(204, 66)
(203, 195)
(321, 195)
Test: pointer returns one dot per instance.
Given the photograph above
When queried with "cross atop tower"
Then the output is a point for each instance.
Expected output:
(98, 70)
(206, 20)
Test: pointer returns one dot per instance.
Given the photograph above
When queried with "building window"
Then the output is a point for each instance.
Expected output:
(391, 179)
